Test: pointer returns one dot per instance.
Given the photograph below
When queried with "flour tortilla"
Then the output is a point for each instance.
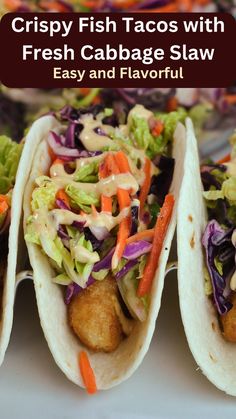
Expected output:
(213, 354)
(17, 252)
(113, 368)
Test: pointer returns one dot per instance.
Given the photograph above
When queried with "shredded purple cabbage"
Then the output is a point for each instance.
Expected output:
(136, 249)
(73, 289)
(62, 233)
(70, 135)
(105, 263)
(58, 144)
(61, 204)
(214, 237)
(126, 269)
(90, 236)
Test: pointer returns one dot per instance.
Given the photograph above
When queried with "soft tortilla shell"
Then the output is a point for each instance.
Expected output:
(213, 354)
(110, 369)
(17, 251)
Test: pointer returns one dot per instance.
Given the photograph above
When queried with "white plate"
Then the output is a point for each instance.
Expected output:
(167, 385)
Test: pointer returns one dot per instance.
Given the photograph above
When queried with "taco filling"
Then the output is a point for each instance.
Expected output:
(9, 158)
(101, 215)
(219, 239)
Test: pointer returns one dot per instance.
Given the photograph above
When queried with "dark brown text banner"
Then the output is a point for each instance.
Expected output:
(50, 50)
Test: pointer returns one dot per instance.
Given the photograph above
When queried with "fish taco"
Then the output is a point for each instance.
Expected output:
(15, 164)
(99, 218)
(206, 224)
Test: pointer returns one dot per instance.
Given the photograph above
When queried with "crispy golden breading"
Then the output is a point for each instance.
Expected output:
(229, 322)
(93, 318)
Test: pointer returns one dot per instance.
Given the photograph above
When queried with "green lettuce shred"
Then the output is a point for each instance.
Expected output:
(81, 199)
(87, 173)
(10, 153)
(44, 196)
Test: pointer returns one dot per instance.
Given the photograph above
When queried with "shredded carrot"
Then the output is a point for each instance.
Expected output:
(224, 159)
(51, 154)
(112, 168)
(123, 233)
(94, 211)
(96, 100)
(124, 227)
(87, 373)
(124, 4)
(185, 5)
(84, 91)
(146, 185)
(58, 161)
(123, 198)
(106, 203)
(106, 169)
(172, 104)
(141, 235)
(230, 99)
(53, 5)
(63, 197)
(158, 128)
(122, 162)
(12, 5)
(160, 229)
(4, 204)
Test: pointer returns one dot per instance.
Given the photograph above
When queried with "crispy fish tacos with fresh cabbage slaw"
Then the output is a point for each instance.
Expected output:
(206, 269)
(99, 218)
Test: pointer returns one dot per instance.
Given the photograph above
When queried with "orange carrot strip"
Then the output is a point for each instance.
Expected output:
(146, 185)
(123, 233)
(4, 204)
(141, 235)
(84, 91)
(112, 168)
(106, 203)
(96, 100)
(53, 5)
(230, 99)
(124, 4)
(159, 235)
(87, 373)
(63, 197)
(12, 5)
(224, 159)
(51, 154)
(185, 5)
(124, 227)
(123, 198)
(122, 162)
(58, 161)
(94, 211)
(172, 104)
(107, 168)
(158, 128)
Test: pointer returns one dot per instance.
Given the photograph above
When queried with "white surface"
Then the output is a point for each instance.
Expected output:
(166, 385)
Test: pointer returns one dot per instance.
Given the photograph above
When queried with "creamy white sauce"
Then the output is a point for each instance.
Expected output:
(89, 138)
(100, 219)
